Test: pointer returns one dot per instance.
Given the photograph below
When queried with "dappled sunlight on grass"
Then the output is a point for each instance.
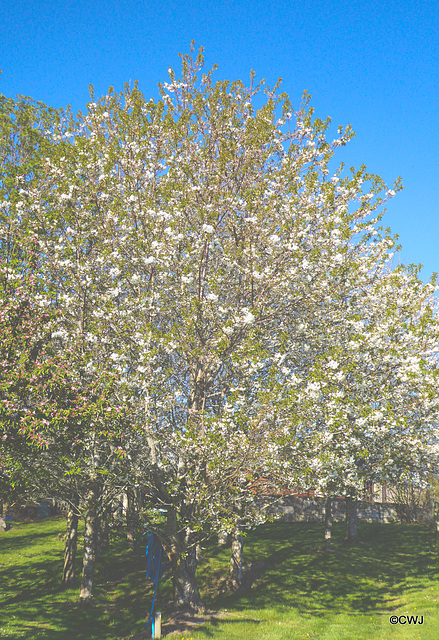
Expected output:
(298, 591)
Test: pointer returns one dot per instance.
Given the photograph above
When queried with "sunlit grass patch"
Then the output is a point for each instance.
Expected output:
(297, 591)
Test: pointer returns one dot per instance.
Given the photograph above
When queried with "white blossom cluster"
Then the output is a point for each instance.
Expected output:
(244, 297)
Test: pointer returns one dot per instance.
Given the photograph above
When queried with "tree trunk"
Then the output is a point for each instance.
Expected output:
(351, 535)
(235, 567)
(5, 509)
(86, 590)
(68, 576)
(186, 593)
(184, 566)
(97, 538)
(130, 518)
(105, 534)
(328, 524)
(222, 538)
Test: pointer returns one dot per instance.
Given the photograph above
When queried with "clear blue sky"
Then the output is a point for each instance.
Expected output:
(373, 64)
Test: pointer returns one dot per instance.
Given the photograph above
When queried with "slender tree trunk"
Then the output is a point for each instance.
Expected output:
(5, 509)
(236, 559)
(130, 518)
(351, 535)
(105, 534)
(86, 590)
(328, 524)
(68, 576)
(97, 538)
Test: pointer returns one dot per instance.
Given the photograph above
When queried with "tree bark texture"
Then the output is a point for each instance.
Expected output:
(328, 524)
(68, 576)
(184, 566)
(236, 560)
(222, 539)
(351, 536)
(130, 518)
(105, 534)
(97, 538)
(4, 509)
(86, 590)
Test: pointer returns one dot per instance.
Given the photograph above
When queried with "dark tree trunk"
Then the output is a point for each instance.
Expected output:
(328, 524)
(351, 535)
(130, 517)
(86, 590)
(105, 534)
(184, 566)
(68, 576)
(97, 538)
(236, 560)
(186, 593)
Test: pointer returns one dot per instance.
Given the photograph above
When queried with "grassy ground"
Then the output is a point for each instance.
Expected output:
(297, 592)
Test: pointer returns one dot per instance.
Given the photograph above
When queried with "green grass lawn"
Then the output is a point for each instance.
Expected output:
(300, 592)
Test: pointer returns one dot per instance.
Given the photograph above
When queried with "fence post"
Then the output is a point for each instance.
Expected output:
(157, 625)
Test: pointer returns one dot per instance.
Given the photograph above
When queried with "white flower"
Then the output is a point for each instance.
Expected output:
(332, 364)
(212, 296)
(207, 228)
(60, 333)
(273, 239)
(247, 316)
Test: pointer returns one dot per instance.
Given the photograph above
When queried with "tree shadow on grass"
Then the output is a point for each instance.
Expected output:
(32, 605)
(392, 561)
(20, 540)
